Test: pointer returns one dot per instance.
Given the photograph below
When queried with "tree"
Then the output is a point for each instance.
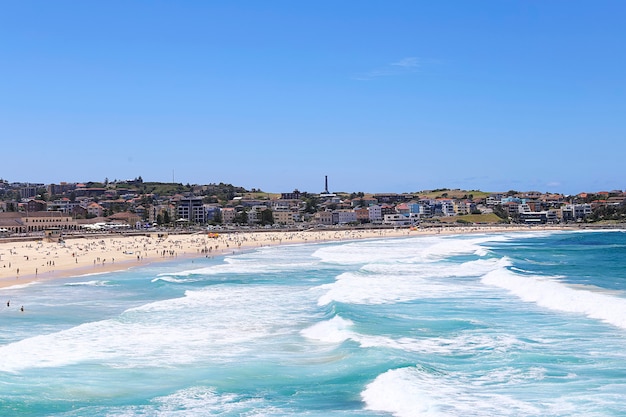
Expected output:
(267, 217)
(241, 217)
(500, 212)
(311, 204)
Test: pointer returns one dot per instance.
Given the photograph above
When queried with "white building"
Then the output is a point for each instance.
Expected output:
(375, 213)
(447, 208)
(344, 216)
(397, 220)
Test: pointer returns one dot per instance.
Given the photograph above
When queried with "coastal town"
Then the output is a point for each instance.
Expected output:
(31, 209)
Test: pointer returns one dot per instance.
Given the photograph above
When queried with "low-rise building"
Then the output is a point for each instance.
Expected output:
(324, 217)
(375, 213)
(362, 214)
(397, 219)
(538, 217)
(228, 215)
(575, 212)
(285, 217)
(344, 216)
(18, 222)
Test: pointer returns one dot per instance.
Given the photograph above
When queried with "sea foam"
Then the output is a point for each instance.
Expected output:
(549, 293)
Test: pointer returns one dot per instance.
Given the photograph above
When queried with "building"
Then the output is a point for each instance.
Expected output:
(447, 208)
(255, 215)
(344, 216)
(213, 212)
(94, 209)
(362, 215)
(375, 213)
(295, 195)
(285, 217)
(324, 217)
(64, 205)
(36, 205)
(125, 218)
(538, 217)
(396, 220)
(18, 222)
(228, 214)
(576, 212)
(403, 208)
(191, 208)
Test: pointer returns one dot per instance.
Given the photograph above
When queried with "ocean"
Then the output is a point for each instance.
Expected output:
(517, 324)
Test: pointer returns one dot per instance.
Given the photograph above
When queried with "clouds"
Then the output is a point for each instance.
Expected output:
(410, 62)
(403, 66)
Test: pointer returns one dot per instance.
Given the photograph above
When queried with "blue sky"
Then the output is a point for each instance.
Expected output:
(381, 96)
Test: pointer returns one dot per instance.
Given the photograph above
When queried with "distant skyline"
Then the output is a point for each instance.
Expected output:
(396, 96)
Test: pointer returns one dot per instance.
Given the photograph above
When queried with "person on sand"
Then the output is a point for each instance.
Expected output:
(9, 303)
(22, 308)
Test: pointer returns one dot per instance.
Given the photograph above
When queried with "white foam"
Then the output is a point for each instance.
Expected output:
(356, 288)
(169, 278)
(384, 283)
(95, 283)
(338, 330)
(335, 330)
(549, 293)
(19, 286)
(265, 260)
(213, 324)
(418, 391)
(202, 401)
(195, 401)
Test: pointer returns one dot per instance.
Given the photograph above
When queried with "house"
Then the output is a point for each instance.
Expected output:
(36, 205)
(403, 209)
(94, 209)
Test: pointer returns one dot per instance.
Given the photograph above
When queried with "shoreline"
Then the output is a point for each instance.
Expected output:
(29, 261)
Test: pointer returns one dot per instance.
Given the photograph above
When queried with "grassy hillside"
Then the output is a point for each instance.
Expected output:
(446, 193)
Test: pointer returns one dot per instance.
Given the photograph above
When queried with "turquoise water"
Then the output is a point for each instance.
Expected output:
(530, 324)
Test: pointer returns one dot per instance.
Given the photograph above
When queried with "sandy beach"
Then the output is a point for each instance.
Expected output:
(36, 260)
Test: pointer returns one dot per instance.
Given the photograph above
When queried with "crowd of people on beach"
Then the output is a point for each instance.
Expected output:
(35, 260)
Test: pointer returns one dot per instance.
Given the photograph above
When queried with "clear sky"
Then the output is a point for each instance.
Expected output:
(381, 96)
